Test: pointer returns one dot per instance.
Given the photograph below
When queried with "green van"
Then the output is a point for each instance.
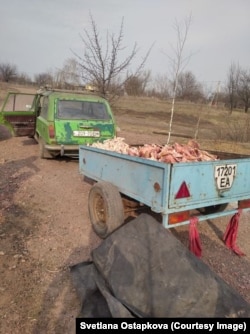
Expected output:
(59, 120)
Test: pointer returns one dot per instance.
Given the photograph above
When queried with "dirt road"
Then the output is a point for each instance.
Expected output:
(44, 228)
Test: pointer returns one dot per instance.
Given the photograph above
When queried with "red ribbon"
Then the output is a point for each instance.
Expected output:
(194, 238)
(230, 235)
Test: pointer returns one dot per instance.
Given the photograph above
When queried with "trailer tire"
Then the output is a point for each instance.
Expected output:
(105, 207)
(213, 209)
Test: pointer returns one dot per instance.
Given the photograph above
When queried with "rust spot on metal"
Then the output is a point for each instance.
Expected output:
(157, 187)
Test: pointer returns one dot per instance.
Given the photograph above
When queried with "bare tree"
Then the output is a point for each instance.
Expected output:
(136, 85)
(188, 88)
(133, 86)
(162, 86)
(43, 79)
(7, 72)
(101, 65)
(244, 88)
(68, 75)
(178, 61)
(23, 78)
(232, 84)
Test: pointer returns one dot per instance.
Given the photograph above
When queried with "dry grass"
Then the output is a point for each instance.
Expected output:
(215, 128)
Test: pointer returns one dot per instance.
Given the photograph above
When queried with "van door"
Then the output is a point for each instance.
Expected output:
(18, 113)
(84, 122)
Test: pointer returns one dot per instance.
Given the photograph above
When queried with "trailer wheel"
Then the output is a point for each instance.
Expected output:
(105, 208)
(213, 209)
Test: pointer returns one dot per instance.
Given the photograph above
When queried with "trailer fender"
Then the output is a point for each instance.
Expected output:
(105, 207)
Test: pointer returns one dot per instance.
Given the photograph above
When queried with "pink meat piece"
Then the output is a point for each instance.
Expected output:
(170, 159)
(167, 153)
(193, 143)
(133, 151)
(149, 151)
(206, 156)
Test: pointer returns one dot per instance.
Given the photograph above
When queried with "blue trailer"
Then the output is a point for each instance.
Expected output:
(123, 183)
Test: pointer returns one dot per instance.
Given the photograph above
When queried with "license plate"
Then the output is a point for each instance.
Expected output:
(224, 175)
(87, 133)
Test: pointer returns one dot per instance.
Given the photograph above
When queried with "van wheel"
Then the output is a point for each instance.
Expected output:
(105, 208)
(43, 153)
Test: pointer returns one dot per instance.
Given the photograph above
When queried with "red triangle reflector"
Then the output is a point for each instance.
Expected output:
(183, 191)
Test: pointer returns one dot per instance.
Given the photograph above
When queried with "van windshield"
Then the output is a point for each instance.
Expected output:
(68, 109)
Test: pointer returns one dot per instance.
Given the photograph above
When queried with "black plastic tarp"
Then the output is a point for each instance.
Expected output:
(142, 270)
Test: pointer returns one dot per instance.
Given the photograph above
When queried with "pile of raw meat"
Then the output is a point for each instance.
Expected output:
(165, 153)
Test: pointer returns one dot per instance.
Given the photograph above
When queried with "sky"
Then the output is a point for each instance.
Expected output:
(40, 35)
